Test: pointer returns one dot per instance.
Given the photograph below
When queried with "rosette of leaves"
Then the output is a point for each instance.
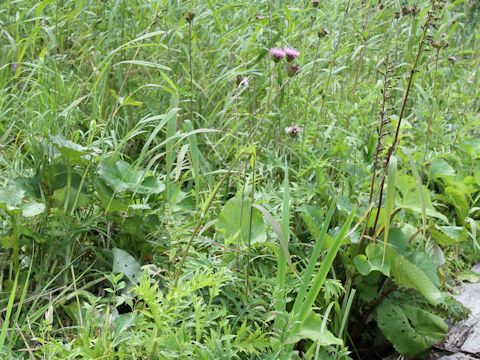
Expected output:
(119, 181)
(412, 330)
(71, 151)
(69, 180)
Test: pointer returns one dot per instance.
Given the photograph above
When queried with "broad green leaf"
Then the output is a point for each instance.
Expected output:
(234, 221)
(448, 235)
(312, 329)
(71, 150)
(32, 209)
(125, 263)
(440, 169)
(14, 200)
(373, 260)
(472, 147)
(121, 324)
(458, 197)
(435, 252)
(409, 275)
(60, 194)
(411, 330)
(11, 198)
(426, 264)
(409, 199)
(110, 202)
(123, 177)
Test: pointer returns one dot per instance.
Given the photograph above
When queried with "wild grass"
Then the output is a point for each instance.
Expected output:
(167, 190)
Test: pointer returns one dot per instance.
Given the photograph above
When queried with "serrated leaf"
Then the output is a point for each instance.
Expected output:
(448, 235)
(409, 275)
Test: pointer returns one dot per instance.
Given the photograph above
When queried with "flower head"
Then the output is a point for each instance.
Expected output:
(189, 17)
(322, 32)
(452, 58)
(291, 53)
(259, 17)
(293, 69)
(14, 67)
(277, 54)
(293, 130)
(242, 81)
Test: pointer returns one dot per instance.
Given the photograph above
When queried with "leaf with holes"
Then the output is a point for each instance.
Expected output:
(411, 330)
(125, 263)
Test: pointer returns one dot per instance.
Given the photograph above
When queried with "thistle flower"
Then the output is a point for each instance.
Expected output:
(277, 54)
(259, 17)
(293, 130)
(14, 67)
(293, 69)
(242, 81)
(452, 58)
(291, 54)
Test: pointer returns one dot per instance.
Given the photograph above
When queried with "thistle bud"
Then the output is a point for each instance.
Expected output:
(293, 69)
(189, 17)
(322, 32)
(242, 81)
(293, 130)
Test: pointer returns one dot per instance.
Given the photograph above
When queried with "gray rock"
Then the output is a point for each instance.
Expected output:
(458, 356)
(465, 336)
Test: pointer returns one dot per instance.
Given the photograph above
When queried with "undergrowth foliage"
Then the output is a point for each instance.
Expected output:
(236, 180)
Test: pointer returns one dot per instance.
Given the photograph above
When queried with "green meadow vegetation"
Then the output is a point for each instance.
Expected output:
(234, 179)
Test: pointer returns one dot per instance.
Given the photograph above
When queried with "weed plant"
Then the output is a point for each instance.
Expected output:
(236, 179)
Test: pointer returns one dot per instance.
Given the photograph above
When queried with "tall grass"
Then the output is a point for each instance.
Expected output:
(136, 126)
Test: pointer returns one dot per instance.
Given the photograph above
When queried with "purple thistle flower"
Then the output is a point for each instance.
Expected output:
(277, 54)
(293, 130)
(259, 17)
(291, 54)
(14, 67)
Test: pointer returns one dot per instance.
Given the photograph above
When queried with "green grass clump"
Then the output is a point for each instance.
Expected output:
(169, 189)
